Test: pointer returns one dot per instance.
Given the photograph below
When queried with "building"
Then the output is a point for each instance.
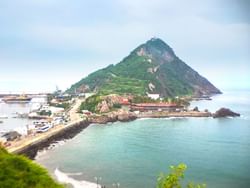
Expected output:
(154, 96)
(12, 135)
(167, 107)
(125, 101)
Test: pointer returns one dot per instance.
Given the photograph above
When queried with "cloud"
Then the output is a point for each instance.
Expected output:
(93, 34)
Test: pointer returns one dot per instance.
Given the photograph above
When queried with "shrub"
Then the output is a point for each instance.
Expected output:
(18, 171)
(173, 179)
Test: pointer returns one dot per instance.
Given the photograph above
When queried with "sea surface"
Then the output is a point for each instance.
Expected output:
(216, 151)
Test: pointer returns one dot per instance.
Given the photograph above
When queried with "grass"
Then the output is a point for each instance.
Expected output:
(20, 172)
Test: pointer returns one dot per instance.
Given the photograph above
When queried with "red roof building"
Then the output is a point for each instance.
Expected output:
(125, 101)
(155, 107)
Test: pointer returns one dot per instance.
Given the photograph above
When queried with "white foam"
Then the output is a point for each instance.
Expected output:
(142, 119)
(64, 178)
(173, 118)
(244, 117)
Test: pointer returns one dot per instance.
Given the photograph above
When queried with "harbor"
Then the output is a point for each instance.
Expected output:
(40, 129)
(65, 124)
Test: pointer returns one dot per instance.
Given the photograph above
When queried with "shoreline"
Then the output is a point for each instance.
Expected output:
(30, 146)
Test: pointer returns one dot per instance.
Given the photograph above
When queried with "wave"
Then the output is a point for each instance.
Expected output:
(141, 119)
(176, 118)
(64, 178)
(244, 117)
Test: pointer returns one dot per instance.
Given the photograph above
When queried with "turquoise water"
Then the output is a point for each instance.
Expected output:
(217, 151)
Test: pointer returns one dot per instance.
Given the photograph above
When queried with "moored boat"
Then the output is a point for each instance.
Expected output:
(3, 116)
(17, 99)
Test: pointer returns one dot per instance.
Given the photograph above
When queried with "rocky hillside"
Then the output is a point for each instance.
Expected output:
(152, 67)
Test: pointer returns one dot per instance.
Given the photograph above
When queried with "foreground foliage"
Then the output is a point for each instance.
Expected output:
(20, 172)
(173, 179)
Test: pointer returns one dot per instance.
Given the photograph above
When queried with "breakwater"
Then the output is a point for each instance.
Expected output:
(31, 148)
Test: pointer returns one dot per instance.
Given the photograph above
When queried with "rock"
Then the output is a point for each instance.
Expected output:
(120, 115)
(123, 115)
(126, 117)
(196, 109)
(225, 112)
(103, 119)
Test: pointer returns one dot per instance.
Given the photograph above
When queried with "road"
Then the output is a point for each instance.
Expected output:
(38, 137)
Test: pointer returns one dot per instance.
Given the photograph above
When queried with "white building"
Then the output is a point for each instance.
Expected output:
(154, 96)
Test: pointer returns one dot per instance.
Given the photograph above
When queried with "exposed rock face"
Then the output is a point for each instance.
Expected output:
(225, 112)
(108, 102)
(103, 107)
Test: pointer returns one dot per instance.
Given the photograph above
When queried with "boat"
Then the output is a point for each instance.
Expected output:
(3, 116)
(1, 121)
(17, 99)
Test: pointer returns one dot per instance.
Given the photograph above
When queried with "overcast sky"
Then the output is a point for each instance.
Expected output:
(44, 43)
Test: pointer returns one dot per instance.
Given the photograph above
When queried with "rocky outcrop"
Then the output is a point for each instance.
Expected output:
(225, 112)
(196, 109)
(120, 115)
(103, 107)
(125, 116)
(108, 102)
(101, 119)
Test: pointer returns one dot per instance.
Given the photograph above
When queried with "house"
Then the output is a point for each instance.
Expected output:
(12, 135)
(169, 107)
(125, 101)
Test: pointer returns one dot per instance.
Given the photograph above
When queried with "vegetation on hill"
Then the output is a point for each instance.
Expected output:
(20, 172)
(173, 179)
(152, 67)
(91, 103)
(143, 99)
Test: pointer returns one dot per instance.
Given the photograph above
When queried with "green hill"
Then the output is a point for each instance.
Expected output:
(152, 67)
(20, 172)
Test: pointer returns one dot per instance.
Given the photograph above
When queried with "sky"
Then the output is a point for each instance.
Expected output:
(49, 43)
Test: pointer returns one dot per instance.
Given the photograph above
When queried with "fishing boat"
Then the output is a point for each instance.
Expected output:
(17, 99)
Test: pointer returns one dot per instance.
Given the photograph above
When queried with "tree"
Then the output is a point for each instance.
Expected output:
(173, 179)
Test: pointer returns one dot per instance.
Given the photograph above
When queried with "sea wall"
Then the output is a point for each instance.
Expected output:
(174, 114)
(73, 129)
(69, 132)
(66, 133)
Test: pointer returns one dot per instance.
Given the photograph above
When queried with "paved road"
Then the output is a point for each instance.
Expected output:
(74, 116)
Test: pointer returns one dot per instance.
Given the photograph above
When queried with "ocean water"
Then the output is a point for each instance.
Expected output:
(216, 151)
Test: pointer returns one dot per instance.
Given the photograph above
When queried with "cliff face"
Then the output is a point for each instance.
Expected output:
(152, 67)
